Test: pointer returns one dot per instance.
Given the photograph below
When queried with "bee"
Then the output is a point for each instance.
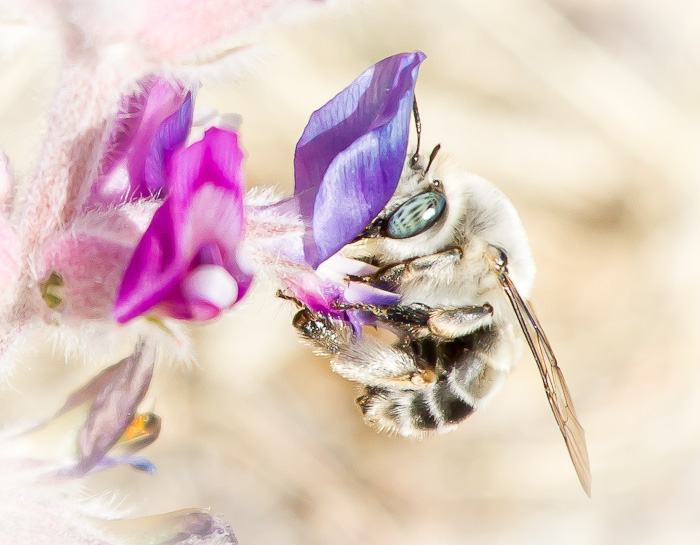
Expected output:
(453, 247)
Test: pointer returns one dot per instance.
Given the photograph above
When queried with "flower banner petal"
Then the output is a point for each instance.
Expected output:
(349, 159)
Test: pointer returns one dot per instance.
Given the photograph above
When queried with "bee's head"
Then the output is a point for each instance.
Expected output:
(420, 217)
(436, 207)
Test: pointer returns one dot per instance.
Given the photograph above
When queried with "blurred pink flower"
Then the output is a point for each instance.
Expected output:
(123, 104)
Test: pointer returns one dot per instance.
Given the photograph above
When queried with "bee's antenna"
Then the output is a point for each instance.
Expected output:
(433, 154)
(416, 117)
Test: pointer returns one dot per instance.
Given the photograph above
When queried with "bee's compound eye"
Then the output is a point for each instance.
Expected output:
(416, 215)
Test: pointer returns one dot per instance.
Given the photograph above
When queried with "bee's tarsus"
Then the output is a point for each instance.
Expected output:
(288, 297)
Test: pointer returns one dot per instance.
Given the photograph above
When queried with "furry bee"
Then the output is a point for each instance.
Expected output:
(453, 247)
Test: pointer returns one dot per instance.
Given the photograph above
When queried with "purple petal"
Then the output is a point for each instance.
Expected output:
(200, 525)
(92, 389)
(359, 292)
(139, 463)
(349, 159)
(171, 134)
(114, 407)
(185, 527)
(149, 126)
(188, 264)
(322, 290)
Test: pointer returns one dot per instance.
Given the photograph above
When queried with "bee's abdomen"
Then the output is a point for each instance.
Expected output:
(452, 408)
(465, 378)
(414, 411)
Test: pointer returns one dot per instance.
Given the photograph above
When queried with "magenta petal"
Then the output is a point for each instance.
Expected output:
(349, 159)
(148, 127)
(327, 287)
(188, 264)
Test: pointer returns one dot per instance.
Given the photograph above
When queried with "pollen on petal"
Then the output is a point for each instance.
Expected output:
(211, 284)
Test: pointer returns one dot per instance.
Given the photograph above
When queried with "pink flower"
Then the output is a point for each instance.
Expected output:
(189, 264)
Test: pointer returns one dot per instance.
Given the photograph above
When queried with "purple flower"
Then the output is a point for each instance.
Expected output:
(150, 124)
(98, 427)
(347, 165)
(115, 394)
(40, 468)
(350, 157)
(327, 288)
(189, 264)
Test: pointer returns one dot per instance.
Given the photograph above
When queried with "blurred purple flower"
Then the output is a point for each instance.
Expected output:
(98, 426)
(40, 466)
(115, 394)
(350, 157)
(189, 263)
(150, 124)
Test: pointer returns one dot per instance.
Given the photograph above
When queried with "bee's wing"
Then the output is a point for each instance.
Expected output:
(554, 384)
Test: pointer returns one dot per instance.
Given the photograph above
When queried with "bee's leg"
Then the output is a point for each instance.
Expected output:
(444, 322)
(324, 332)
(452, 323)
(434, 261)
(363, 358)
(394, 275)
(289, 297)
(374, 362)
(415, 314)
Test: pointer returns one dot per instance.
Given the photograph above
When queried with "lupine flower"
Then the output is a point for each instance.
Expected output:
(88, 433)
(346, 168)
(189, 263)
(112, 166)
(76, 201)
(82, 266)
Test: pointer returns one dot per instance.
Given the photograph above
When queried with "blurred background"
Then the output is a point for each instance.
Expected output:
(585, 113)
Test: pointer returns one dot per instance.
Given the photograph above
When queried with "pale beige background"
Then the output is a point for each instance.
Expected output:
(586, 115)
